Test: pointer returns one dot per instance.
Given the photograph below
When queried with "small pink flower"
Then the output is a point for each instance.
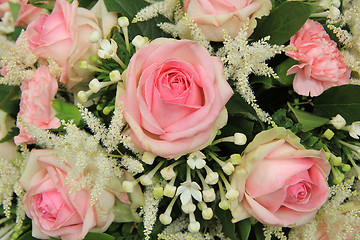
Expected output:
(214, 16)
(320, 64)
(175, 97)
(54, 211)
(64, 36)
(279, 182)
(37, 94)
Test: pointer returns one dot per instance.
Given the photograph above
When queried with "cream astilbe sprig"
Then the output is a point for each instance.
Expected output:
(19, 61)
(165, 8)
(242, 59)
(149, 210)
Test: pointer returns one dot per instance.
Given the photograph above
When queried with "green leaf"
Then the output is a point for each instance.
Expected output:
(343, 100)
(244, 228)
(259, 232)
(10, 135)
(307, 120)
(282, 69)
(27, 236)
(130, 9)
(15, 8)
(282, 22)
(237, 105)
(9, 99)
(228, 227)
(66, 111)
(98, 236)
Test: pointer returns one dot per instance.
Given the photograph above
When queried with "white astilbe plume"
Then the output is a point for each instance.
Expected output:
(242, 59)
(270, 231)
(131, 164)
(165, 8)
(349, 19)
(149, 210)
(17, 61)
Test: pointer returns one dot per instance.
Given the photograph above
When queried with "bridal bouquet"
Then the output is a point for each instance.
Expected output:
(179, 119)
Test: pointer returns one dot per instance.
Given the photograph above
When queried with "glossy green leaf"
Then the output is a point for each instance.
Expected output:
(98, 236)
(259, 232)
(228, 228)
(15, 8)
(343, 100)
(9, 98)
(66, 111)
(237, 105)
(129, 9)
(282, 69)
(307, 120)
(27, 236)
(283, 22)
(243, 228)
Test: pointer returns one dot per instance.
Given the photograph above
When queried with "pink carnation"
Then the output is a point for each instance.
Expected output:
(35, 103)
(320, 65)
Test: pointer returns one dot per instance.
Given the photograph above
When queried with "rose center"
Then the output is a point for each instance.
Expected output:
(49, 204)
(300, 191)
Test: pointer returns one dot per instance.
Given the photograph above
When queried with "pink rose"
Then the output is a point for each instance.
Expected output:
(320, 64)
(280, 182)
(213, 16)
(27, 14)
(175, 97)
(54, 211)
(64, 36)
(37, 94)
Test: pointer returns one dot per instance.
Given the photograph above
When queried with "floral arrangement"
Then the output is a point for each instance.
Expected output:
(179, 119)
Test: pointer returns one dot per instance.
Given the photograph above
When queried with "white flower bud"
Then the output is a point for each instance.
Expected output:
(232, 194)
(148, 158)
(169, 190)
(207, 213)
(115, 76)
(128, 186)
(95, 85)
(188, 208)
(194, 227)
(123, 22)
(354, 130)
(240, 138)
(95, 37)
(336, 3)
(165, 219)
(83, 96)
(235, 159)
(158, 191)
(224, 205)
(334, 13)
(338, 121)
(138, 41)
(209, 195)
(168, 173)
(146, 180)
(212, 178)
(228, 168)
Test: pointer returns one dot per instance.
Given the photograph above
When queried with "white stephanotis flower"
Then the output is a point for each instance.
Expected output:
(196, 160)
(107, 48)
(187, 190)
(338, 121)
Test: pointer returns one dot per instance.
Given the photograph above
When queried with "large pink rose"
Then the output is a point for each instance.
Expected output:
(37, 94)
(213, 16)
(175, 97)
(320, 64)
(64, 36)
(280, 182)
(54, 211)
